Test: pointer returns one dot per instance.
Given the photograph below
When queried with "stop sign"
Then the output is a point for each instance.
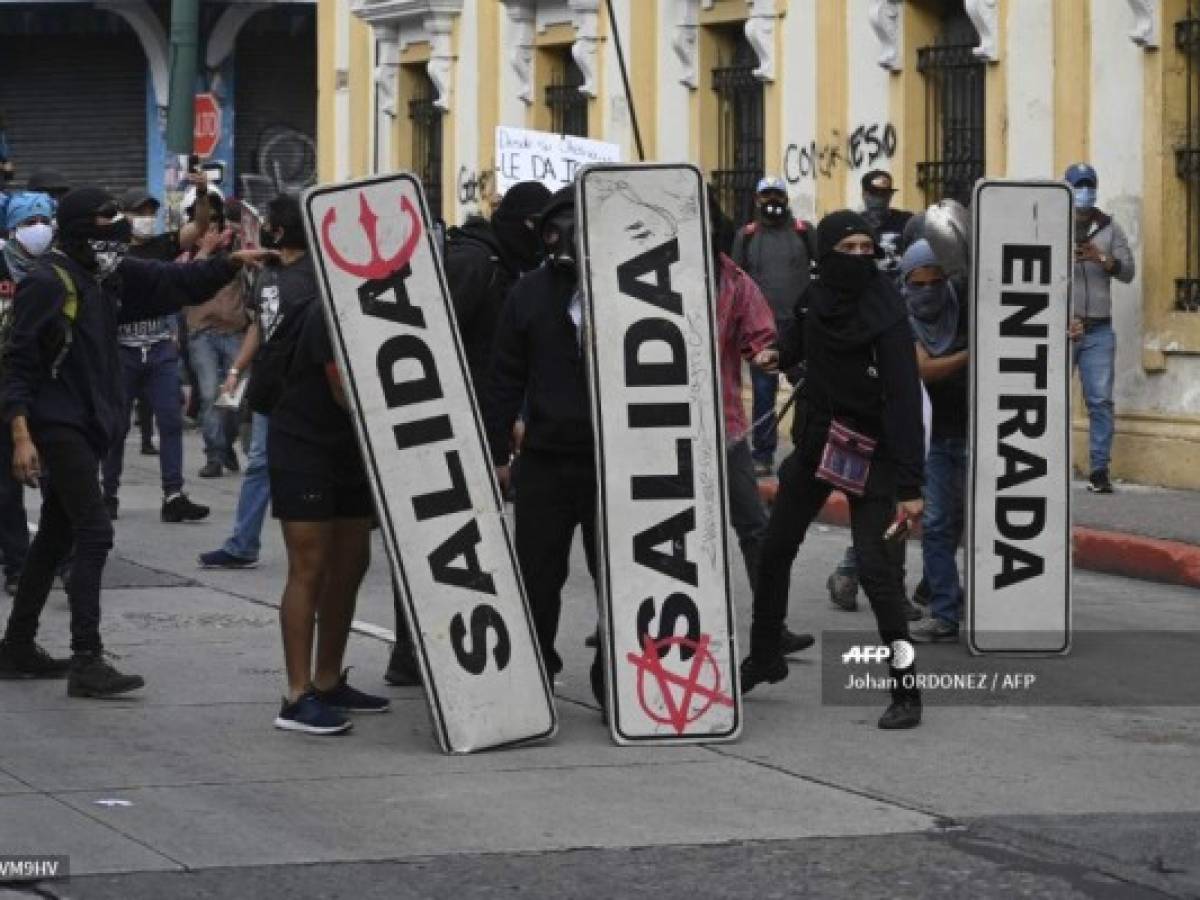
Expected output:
(207, 130)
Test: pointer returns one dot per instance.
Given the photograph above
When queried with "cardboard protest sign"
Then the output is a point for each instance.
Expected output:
(1019, 492)
(400, 355)
(650, 326)
(552, 159)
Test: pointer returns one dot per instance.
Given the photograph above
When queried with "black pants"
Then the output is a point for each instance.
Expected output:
(72, 513)
(801, 496)
(555, 492)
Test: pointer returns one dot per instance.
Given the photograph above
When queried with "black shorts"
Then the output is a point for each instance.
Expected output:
(304, 497)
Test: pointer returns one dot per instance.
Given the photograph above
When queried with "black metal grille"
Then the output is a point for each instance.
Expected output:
(741, 148)
(955, 100)
(426, 118)
(1187, 160)
(568, 107)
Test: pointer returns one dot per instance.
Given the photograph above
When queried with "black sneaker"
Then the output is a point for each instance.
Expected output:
(211, 470)
(1098, 482)
(343, 698)
(904, 712)
(148, 448)
(309, 715)
(231, 461)
(113, 505)
(91, 676)
(22, 661)
(178, 508)
(219, 559)
(921, 595)
(934, 630)
(402, 670)
(790, 642)
(755, 673)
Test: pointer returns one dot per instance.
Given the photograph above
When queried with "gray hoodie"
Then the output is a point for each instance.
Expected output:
(777, 258)
(1092, 286)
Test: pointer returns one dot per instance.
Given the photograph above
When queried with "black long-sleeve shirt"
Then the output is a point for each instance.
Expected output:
(538, 361)
(874, 386)
(87, 392)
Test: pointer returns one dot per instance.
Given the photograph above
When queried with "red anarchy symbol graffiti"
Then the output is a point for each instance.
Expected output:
(378, 268)
(694, 698)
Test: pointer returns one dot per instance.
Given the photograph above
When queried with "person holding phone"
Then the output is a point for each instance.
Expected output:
(857, 427)
(1101, 254)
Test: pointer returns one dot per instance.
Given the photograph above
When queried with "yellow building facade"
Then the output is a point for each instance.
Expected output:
(938, 92)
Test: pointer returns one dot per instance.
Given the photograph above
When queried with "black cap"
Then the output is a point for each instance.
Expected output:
(878, 181)
(838, 225)
(78, 210)
(524, 200)
(138, 196)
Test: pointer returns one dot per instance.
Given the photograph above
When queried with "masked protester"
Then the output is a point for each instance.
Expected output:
(1101, 254)
(857, 427)
(28, 219)
(888, 223)
(62, 401)
(149, 354)
(776, 251)
(538, 363)
(483, 260)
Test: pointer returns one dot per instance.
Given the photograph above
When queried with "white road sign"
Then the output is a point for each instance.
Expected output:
(671, 665)
(399, 352)
(1019, 531)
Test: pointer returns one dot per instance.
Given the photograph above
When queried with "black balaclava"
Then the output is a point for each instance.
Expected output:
(557, 230)
(98, 248)
(521, 204)
(843, 273)
(775, 210)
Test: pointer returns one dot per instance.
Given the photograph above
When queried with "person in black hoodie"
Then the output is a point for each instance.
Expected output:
(483, 260)
(861, 372)
(538, 362)
(63, 400)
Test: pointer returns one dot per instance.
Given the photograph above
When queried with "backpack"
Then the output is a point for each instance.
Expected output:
(273, 364)
(70, 312)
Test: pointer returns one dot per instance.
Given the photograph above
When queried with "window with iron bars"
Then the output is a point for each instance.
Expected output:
(741, 148)
(568, 107)
(426, 119)
(1187, 160)
(955, 103)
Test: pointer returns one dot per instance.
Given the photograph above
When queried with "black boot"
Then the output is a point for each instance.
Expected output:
(92, 676)
(905, 708)
(755, 672)
(20, 661)
(402, 670)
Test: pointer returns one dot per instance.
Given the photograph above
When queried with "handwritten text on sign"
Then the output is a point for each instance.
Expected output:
(552, 159)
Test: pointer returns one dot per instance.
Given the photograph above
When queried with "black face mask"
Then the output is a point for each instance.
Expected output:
(268, 240)
(847, 274)
(99, 248)
(774, 211)
(558, 236)
(520, 242)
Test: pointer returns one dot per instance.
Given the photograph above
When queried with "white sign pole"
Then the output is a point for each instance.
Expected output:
(400, 355)
(1019, 495)
(667, 618)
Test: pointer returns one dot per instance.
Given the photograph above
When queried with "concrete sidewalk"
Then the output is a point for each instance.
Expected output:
(1142, 532)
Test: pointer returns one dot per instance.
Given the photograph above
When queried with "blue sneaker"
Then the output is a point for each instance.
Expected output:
(344, 698)
(310, 715)
(219, 559)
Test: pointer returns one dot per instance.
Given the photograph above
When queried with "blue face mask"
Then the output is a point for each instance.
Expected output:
(1085, 197)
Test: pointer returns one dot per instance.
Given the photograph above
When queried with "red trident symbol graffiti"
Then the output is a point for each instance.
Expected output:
(378, 268)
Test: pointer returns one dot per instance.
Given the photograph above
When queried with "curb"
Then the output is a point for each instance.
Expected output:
(1111, 552)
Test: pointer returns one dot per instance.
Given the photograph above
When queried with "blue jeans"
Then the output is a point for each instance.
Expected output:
(1094, 355)
(253, 497)
(212, 354)
(154, 373)
(766, 435)
(942, 524)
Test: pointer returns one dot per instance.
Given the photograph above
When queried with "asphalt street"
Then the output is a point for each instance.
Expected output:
(187, 790)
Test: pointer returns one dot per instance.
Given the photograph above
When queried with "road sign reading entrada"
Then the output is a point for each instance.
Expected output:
(422, 439)
(1019, 540)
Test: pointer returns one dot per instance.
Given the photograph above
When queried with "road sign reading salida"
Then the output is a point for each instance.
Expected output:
(206, 133)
